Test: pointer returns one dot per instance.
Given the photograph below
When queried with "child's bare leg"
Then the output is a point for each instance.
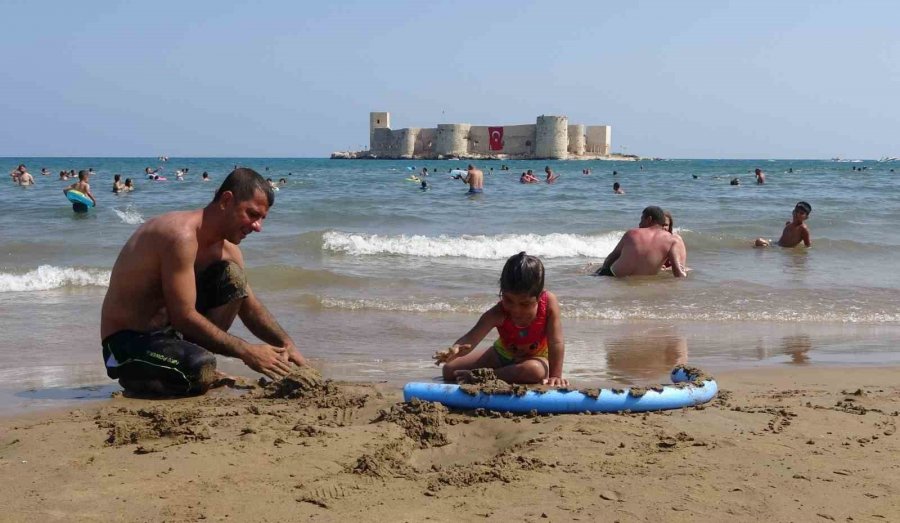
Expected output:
(534, 370)
(477, 359)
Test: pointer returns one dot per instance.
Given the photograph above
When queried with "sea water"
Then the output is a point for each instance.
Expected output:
(371, 274)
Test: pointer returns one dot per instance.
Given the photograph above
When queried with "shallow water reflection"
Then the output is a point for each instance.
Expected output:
(639, 358)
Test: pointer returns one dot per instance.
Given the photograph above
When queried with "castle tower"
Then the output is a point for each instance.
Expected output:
(577, 134)
(551, 138)
(452, 139)
(377, 120)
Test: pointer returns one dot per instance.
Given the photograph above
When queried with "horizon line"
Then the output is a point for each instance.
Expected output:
(641, 158)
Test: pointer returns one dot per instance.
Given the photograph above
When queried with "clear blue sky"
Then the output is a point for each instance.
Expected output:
(706, 79)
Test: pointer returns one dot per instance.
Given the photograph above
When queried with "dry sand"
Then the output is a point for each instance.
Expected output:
(812, 444)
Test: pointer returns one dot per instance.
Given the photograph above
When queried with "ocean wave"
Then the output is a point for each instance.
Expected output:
(398, 306)
(129, 216)
(47, 277)
(616, 313)
(484, 247)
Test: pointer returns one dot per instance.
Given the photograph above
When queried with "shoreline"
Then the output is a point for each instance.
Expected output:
(799, 444)
(605, 353)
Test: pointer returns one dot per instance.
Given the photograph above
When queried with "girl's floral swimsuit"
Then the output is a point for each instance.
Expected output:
(521, 343)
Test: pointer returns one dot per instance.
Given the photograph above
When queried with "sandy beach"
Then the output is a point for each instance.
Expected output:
(814, 444)
(175, 193)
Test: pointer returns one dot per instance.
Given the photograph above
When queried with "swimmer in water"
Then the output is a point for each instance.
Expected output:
(551, 176)
(84, 188)
(795, 231)
(475, 178)
(760, 177)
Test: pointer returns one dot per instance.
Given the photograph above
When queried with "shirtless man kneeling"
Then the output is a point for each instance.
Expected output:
(175, 290)
(644, 250)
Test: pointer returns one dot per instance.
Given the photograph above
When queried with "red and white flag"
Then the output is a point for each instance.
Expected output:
(496, 137)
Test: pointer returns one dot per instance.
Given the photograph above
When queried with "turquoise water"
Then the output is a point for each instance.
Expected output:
(371, 274)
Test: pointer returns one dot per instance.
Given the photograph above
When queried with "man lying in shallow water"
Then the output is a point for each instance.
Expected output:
(643, 251)
(175, 290)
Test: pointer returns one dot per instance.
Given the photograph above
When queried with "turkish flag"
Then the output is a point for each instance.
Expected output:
(496, 136)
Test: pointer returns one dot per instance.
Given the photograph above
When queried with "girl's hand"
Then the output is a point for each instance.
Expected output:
(450, 354)
(557, 381)
(463, 376)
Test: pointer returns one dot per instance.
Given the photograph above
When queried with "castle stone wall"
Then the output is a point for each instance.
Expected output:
(551, 137)
(577, 139)
(599, 139)
(518, 140)
(452, 139)
(394, 144)
(425, 142)
(407, 139)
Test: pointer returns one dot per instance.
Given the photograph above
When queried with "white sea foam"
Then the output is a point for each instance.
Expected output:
(129, 216)
(584, 311)
(48, 277)
(392, 306)
(484, 247)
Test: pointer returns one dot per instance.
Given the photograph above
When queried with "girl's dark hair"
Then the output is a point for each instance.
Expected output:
(522, 274)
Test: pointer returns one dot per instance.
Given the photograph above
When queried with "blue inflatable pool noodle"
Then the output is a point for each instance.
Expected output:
(692, 388)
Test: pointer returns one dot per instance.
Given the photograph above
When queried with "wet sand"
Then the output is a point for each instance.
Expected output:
(790, 444)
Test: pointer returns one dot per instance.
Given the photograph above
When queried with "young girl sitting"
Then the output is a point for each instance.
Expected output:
(530, 348)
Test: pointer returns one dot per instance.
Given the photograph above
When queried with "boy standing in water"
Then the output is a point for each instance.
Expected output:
(760, 177)
(795, 230)
(83, 187)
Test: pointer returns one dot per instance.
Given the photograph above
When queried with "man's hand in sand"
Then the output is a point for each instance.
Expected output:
(450, 354)
(294, 356)
(268, 360)
(556, 382)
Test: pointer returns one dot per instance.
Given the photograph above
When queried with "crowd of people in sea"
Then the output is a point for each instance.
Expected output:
(474, 177)
(20, 176)
(160, 332)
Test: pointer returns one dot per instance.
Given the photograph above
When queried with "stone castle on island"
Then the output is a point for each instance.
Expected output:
(550, 137)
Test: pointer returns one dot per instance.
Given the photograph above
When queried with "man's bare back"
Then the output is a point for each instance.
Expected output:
(135, 298)
(644, 250)
(475, 178)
